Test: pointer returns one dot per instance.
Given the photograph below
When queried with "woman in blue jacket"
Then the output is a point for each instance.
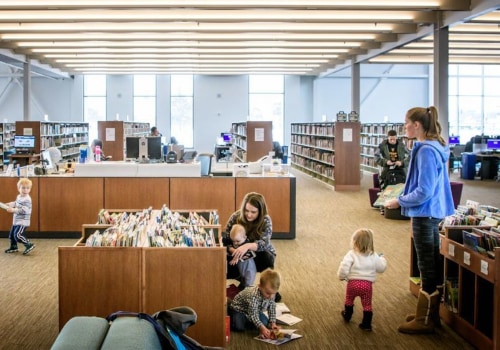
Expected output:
(427, 199)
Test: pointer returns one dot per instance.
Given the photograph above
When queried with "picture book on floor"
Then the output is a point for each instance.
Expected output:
(281, 336)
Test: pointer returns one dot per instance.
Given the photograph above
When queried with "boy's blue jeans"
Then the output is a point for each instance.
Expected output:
(426, 242)
(239, 321)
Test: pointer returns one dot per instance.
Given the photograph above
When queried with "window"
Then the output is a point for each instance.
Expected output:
(145, 99)
(265, 101)
(181, 109)
(94, 102)
(474, 106)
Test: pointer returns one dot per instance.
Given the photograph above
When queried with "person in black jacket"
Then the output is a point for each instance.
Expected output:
(392, 154)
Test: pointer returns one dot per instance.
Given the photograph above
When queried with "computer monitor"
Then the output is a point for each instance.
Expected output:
(154, 147)
(493, 144)
(454, 140)
(132, 147)
(24, 144)
(227, 138)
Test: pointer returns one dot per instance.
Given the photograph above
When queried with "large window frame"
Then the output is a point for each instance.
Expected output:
(181, 109)
(94, 102)
(145, 99)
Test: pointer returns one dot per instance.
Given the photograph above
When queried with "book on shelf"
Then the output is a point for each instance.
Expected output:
(451, 296)
(281, 336)
(472, 240)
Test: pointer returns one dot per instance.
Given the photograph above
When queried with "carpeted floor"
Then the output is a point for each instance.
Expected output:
(325, 221)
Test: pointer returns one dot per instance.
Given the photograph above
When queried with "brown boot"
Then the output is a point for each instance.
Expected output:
(422, 323)
(434, 314)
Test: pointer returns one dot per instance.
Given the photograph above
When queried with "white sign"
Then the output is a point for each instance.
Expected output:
(27, 131)
(451, 250)
(347, 135)
(259, 134)
(484, 267)
(110, 134)
(467, 258)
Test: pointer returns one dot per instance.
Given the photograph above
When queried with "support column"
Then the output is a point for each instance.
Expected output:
(27, 89)
(441, 62)
(355, 88)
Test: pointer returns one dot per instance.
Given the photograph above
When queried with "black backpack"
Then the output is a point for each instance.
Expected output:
(394, 177)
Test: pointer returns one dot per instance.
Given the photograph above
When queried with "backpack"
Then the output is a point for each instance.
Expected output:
(394, 177)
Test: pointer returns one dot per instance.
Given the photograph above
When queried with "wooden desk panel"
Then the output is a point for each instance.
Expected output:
(9, 194)
(279, 198)
(66, 203)
(194, 277)
(204, 193)
(98, 281)
(136, 193)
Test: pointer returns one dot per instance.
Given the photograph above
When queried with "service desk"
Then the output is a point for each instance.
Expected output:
(63, 203)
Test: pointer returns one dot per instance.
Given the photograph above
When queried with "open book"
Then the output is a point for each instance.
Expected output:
(287, 319)
(282, 336)
(3, 206)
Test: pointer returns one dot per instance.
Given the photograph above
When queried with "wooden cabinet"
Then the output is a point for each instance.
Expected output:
(96, 281)
(66, 136)
(7, 132)
(254, 139)
(113, 134)
(372, 134)
(476, 313)
(328, 151)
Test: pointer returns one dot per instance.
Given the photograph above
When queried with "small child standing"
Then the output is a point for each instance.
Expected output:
(22, 215)
(359, 267)
(249, 305)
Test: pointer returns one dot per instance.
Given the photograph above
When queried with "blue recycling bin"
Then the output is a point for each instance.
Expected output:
(468, 166)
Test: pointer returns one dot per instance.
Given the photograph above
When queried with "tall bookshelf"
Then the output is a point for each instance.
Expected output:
(7, 132)
(113, 134)
(372, 134)
(253, 139)
(66, 136)
(328, 151)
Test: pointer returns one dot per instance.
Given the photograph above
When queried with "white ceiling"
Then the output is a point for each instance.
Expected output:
(306, 37)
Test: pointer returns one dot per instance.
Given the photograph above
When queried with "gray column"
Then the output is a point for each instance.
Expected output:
(355, 88)
(27, 89)
(441, 60)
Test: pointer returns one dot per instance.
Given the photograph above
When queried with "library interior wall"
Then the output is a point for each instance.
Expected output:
(384, 92)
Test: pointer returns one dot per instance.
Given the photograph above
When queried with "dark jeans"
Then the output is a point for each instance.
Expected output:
(239, 321)
(426, 242)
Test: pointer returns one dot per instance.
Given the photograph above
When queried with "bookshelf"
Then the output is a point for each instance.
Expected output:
(66, 136)
(316, 148)
(113, 134)
(372, 134)
(253, 139)
(477, 278)
(7, 132)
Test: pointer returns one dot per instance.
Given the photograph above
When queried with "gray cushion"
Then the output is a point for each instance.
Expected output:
(131, 333)
(82, 333)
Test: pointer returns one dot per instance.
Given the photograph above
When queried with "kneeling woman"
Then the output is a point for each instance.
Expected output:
(254, 218)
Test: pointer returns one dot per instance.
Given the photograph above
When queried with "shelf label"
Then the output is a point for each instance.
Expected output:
(110, 134)
(27, 131)
(467, 258)
(259, 134)
(451, 250)
(347, 135)
(484, 267)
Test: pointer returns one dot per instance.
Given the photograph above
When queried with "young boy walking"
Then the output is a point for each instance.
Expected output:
(21, 209)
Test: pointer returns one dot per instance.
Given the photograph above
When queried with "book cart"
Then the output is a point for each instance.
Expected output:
(99, 280)
(472, 305)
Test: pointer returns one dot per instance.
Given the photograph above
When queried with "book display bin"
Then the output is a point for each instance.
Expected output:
(96, 281)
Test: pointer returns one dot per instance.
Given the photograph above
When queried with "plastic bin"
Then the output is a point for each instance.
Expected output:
(468, 166)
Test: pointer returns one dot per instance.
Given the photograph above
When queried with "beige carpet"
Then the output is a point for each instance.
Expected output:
(308, 264)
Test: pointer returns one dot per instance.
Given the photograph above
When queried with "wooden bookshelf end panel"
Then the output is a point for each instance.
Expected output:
(194, 277)
(98, 281)
(136, 192)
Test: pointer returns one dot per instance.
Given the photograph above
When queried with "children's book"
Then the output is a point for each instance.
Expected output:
(3, 206)
(390, 192)
(281, 337)
(287, 319)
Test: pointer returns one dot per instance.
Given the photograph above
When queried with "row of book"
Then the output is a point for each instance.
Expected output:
(156, 228)
(323, 129)
(451, 294)
(474, 214)
(482, 240)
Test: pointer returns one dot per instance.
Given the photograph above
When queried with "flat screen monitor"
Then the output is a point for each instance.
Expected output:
(24, 143)
(454, 140)
(493, 144)
(132, 147)
(154, 147)
(227, 138)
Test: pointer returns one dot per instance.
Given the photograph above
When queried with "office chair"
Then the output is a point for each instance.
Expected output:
(205, 160)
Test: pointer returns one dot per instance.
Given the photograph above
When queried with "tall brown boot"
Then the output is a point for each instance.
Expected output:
(422, 322)
(434, 314)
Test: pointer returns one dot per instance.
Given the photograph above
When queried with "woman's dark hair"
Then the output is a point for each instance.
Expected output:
(256, 227)
(428, 118)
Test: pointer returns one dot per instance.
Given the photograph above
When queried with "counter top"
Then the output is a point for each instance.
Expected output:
(133, 169)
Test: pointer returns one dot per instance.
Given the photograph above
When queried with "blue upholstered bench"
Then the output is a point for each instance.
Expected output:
(89, 333)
